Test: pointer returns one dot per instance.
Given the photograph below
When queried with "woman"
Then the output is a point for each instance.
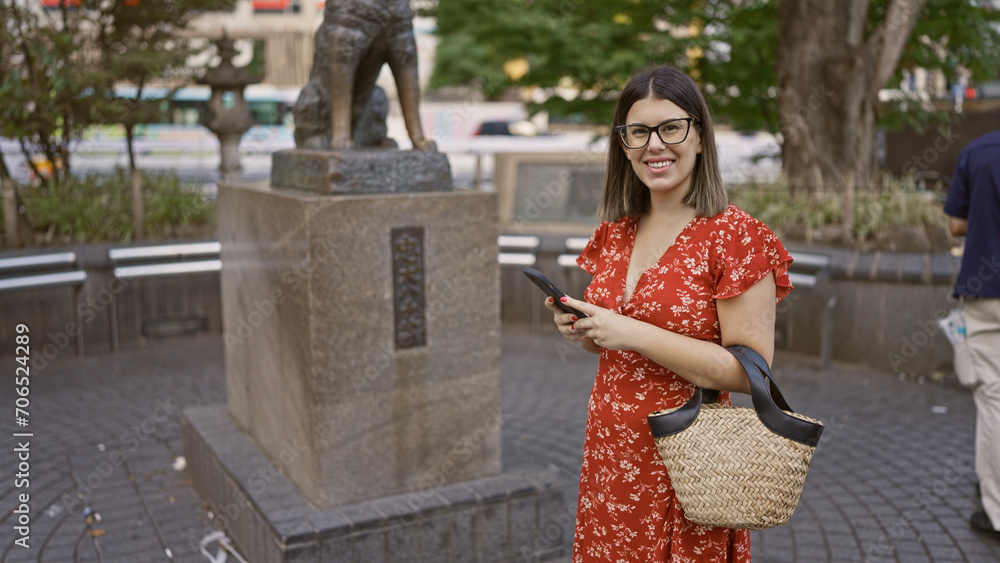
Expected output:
(679, 273)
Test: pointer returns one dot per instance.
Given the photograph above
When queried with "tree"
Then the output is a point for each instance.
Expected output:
(43, 76)
(830, 60)
(808, 70)
(139, 44)
(60, 71)
(829, 134)
(590, 47)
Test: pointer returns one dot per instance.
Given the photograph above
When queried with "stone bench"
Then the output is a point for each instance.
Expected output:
(517, 252)
(46, 271)
(136, 262)
(811, 271)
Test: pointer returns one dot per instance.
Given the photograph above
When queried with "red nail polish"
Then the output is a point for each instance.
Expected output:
(563, 299)
(575, 318)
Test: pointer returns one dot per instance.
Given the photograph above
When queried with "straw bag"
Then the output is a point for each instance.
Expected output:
(737, 467)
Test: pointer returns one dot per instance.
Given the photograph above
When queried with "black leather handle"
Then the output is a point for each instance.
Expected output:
(767, 401)
(668, 424)
(765, 396)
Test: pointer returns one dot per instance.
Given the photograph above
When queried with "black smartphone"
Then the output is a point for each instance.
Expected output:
(551, 290)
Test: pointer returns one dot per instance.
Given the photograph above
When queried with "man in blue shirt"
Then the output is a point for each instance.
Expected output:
(973, 207)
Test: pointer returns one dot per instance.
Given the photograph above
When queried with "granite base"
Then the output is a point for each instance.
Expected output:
(376, 171)
(511, 517)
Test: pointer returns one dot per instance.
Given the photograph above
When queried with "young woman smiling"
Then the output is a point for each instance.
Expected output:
(679, 274)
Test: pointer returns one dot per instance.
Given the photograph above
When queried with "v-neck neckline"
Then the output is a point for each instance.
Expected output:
(633, 231)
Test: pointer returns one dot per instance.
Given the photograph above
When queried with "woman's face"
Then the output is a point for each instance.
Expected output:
(663, 168)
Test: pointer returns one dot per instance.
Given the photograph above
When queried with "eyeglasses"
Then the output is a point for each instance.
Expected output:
(671, 132)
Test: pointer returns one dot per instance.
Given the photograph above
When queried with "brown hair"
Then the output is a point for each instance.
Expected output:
(623, 194)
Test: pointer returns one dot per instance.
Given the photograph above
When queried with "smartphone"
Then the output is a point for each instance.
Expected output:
(551, 290)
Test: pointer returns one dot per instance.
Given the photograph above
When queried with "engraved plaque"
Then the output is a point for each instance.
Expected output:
(408, 287)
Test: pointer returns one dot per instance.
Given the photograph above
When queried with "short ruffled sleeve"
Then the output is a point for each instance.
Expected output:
(591, 254)
(746, 252)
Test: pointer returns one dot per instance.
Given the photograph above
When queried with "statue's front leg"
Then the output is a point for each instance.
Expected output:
(403, 62)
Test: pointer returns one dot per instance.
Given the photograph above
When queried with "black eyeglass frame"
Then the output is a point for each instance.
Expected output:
(621, 131)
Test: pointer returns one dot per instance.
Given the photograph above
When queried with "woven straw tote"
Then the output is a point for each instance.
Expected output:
(737, 467)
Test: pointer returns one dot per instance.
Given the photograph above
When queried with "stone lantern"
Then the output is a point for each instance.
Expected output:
(229, 116)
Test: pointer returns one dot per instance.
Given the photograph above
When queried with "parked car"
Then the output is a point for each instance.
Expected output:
(520, 128)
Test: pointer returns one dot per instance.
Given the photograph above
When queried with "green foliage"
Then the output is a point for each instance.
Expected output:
(772, 204)
(876, 212)
(737, 71)
(58, 68)
(58, 73)
(596, 45)
(96, 208)
(42, 76)
(138, 44)
(740, 51)
(950, 33)
(592, 46)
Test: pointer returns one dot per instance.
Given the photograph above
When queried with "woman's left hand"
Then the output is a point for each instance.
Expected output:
(605, 327)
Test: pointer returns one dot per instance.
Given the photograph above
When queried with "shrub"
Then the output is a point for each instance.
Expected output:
(95, 208)
(877, 212)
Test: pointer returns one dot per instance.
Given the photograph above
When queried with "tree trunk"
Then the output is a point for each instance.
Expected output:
(830, 68)
(135, 178)
(18, 228)
(10, 218)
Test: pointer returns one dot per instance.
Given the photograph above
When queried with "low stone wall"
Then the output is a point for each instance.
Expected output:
(886, 312)
(885, 316)
(146, 308)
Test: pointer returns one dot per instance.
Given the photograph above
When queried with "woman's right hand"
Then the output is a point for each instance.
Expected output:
(565, 322)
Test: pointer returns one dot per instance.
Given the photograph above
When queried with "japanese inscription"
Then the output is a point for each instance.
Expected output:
(409, 287)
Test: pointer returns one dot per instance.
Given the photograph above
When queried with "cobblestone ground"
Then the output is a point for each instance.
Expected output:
(892, 480)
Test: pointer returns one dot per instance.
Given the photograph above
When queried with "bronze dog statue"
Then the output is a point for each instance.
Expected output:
(341, 107)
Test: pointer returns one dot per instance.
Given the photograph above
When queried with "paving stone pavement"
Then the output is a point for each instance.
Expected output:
(892, 479)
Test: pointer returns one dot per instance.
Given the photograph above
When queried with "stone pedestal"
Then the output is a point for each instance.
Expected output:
(511, 517)
(317, 355)
(363, 383)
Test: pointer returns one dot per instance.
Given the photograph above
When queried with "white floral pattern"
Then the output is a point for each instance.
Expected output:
(627, 510)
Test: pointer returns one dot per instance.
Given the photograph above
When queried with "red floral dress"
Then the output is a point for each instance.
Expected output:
(627, 510)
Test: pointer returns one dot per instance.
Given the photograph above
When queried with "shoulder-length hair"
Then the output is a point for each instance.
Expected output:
(623, 194)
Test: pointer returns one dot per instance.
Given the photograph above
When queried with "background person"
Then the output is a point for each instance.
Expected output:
(973, 206)
(679, 273)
